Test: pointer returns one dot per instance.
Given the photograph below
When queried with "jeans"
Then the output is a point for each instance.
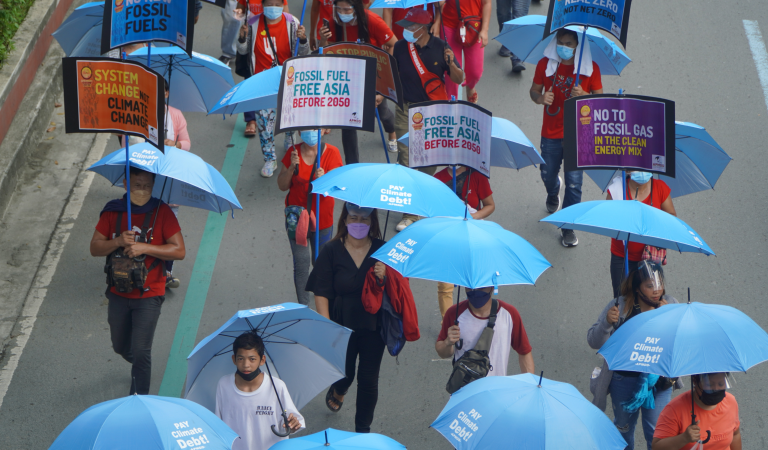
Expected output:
(552, 153)
(349, 137)
(302, 257)
(623, 389)
(230, 28)
(617, 272)
(132, 323)
(401, 127)
(370, 348)
(507, 10)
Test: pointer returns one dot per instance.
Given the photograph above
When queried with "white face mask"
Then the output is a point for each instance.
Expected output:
(273, 12)
(346, 18)
(408, 36)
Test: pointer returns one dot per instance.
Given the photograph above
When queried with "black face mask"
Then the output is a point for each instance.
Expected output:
(248, 376)
(711, 398)
(478, 298)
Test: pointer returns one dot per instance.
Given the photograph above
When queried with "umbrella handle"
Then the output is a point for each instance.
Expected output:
(287, 427)
(554, 113)
(709, 435)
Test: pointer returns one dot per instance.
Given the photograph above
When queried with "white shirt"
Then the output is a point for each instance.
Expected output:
(252, 414)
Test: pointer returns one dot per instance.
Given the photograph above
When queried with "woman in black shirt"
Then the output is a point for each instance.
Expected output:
(337, 281)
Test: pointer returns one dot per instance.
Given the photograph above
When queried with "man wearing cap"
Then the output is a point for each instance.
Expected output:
(422, 60)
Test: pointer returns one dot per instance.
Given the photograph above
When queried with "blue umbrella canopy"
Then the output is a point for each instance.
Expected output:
(196, 82)
(253, 94)
(390, 187)
(699, 162)
(522, 36)
(530, 411)
(182, 178)
(331, 439)
(470, 253)
(400, 3)
(145, 422)
(303, 348)
(687, 339)
(629, 220)
(510, 147)
(80, 33)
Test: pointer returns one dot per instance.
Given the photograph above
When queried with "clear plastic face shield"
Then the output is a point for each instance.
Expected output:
(651, 273)
(713, 382)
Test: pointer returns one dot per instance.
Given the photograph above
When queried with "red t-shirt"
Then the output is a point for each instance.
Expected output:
(263, 51)
(326, 12)
(660, 194)
(468, 8)
(479, 187)
(297, 194)
(552, 127)
(721, 422)
(378, 31)
(256, 5)
(166, 226)
(399, 14)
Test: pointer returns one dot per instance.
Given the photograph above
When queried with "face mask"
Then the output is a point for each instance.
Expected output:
(478, 298)
(273, 12)
(140, 197)
(565, 52)
(712, 398)
(408, 36)
(641, 177)
(309, 137)
(248, 376)
(346, 18)
(358, 230)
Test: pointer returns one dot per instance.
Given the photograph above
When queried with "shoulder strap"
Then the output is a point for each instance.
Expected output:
(290, 26)
(309, 183)
(275, 60)
(494, 311)
(651, 190)
(432, 84)
(119, 223)
(145, 225)
(458, 11)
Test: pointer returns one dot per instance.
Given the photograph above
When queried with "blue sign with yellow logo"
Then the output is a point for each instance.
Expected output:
(134, 21)
(609, 15)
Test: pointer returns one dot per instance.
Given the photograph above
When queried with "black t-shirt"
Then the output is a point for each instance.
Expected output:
(432, 55)
(336, 277)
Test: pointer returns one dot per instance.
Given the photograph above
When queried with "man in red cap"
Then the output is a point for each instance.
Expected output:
(423, 60)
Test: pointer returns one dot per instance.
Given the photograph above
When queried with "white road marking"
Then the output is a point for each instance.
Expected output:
(759, 54)
(49, 263)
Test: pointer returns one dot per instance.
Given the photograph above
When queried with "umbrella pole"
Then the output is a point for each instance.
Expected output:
(168, 103)
(127, 176)
(460, 343)
(149, 55)
(317, 196)
(386, 221)
(626, 242)
(454, 180)
(279, 402)
(581, 53)
(381, 130)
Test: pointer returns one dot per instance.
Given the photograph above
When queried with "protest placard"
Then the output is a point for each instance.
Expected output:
(334, 91)
(609, 131)
(609, 15)
(105, 95)
(387, 77)
(448, 133)
(132, 21)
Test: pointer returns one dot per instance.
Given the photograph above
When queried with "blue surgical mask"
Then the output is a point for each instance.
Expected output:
(641, 177)
(273, 12)
(478, 297)
(564, 52)
(408, 36)
(346, 18)
(309, 137)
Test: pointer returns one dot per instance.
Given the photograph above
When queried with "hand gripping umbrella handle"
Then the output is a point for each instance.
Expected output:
(287, 427)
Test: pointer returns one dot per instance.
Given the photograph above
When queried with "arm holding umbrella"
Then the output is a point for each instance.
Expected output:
(606, 324)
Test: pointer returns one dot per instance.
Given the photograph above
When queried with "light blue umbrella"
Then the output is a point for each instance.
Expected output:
(331, 439)
(197, 82)
(510, 147)
(470, 253)
(629, 220)
(145, 422)
(390, 187)
(253, 94)
(303, 348)
(526, 412)
(522, 36)
(182, 178)
(80, 33)
(687, 339)
(699, 162)
(400, 3)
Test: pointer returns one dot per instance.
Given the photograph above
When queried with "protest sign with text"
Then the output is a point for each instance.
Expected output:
(608, 131)
(387, 77)
(609, 15)
(334, 91)
(134, 21)
(105, 95)
(447, 133)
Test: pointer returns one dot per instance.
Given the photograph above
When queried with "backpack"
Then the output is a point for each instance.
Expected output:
(125, 273)
(474, 364)
(391, 326)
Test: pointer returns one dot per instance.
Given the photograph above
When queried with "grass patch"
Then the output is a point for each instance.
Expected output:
(12, 14)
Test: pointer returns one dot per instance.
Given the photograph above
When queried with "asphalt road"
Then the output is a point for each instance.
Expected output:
(692, 51)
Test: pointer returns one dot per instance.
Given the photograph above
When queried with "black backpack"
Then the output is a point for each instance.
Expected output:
(391, 326)
(474, 364)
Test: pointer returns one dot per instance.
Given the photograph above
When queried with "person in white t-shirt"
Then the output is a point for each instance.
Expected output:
(249, 401)
(473, 316)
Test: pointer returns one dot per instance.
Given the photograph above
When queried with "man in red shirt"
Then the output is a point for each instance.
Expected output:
(133, 315)
(553, 83)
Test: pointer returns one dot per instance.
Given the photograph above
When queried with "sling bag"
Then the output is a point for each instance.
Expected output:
(432, 84)
(125, 273)
(469, 28)
(474, 364)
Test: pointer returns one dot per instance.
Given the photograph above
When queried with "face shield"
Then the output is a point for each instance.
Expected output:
(712, 387)
(652, 272)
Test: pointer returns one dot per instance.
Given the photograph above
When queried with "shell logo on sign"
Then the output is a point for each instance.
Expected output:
(86, 73)
(418, 118)
(585, 119)
(291, 71)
